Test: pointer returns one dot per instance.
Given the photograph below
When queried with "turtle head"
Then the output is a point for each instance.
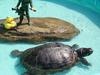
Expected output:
(82, 52)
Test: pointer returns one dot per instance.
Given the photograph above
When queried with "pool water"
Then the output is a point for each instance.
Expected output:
(86, 20)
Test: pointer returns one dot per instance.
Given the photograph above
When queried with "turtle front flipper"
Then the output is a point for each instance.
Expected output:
(85, 62)
(16, 53)
(75, 46)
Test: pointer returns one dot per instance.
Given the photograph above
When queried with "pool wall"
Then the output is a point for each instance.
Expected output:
(92, 4)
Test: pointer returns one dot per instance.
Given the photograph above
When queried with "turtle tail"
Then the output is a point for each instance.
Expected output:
(16, 53)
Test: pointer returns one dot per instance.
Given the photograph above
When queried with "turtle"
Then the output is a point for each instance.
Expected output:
(51, 57)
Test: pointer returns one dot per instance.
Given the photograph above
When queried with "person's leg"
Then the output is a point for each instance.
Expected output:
(21, 13)
(20, 21)
(28, 17)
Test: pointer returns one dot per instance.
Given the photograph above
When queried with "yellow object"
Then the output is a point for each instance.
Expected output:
(9, 19)
(9, 23)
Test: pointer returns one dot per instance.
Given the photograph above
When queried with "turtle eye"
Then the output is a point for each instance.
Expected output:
(89, 51)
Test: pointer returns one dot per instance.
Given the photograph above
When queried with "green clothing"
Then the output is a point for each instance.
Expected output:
(24, 6)
(25, 3)
(24, 9)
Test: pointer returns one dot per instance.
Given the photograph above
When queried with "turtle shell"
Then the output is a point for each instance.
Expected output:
(49, 56)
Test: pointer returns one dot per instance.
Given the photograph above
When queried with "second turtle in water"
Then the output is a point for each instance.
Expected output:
(51, 57)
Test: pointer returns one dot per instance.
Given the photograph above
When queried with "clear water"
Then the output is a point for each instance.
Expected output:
(83, 18)
(92, 4)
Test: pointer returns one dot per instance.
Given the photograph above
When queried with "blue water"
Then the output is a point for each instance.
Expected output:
(92, 4)
(85, 19)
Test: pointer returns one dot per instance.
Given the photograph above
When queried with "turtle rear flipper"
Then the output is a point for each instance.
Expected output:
(16, 53)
